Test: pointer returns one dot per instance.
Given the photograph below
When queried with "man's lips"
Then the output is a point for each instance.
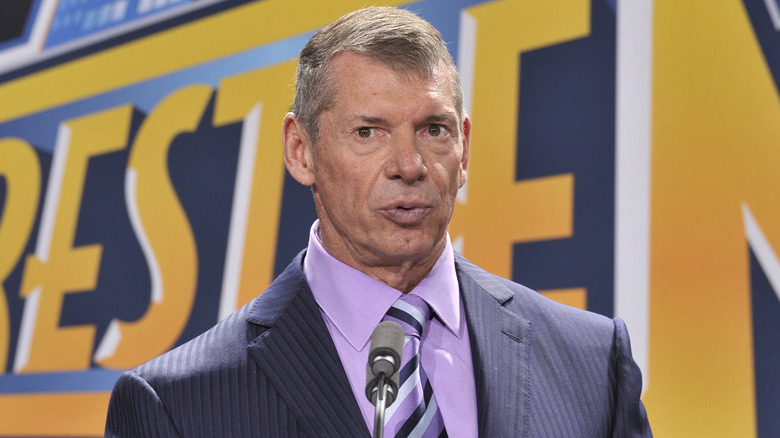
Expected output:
(406, 213)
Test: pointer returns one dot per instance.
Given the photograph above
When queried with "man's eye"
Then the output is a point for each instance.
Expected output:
(435, 130)
(364, 132)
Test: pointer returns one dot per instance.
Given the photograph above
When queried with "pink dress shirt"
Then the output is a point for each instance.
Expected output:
(352, 304)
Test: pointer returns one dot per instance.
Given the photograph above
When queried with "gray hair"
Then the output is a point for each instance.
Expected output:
(396, 38)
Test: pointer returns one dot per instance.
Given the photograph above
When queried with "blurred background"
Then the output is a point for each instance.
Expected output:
(625, 159)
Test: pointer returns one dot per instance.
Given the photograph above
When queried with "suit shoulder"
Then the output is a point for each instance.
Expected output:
(555, 312)
(544, 314)
(223, 346)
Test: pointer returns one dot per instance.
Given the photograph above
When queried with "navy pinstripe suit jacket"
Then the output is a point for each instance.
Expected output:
(271, 370)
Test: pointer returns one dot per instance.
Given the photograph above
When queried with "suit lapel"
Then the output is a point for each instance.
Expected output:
(297, 355)
(293, 349)
(500, 350)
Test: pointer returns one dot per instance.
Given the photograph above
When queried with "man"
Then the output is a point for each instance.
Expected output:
(377, 130)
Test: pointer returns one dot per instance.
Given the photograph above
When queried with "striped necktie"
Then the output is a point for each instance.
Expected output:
(415, 412)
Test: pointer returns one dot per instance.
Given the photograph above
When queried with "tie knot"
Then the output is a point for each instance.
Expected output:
(412, 312)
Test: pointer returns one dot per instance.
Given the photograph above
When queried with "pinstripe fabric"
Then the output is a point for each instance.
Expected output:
(547, 370)
(270, 370)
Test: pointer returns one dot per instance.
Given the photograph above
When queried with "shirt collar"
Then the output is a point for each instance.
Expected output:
(355, 302)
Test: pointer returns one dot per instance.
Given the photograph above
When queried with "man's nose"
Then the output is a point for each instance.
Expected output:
(406, 161)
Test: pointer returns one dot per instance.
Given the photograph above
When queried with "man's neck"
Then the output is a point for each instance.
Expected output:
(403, 277)
(400, 273)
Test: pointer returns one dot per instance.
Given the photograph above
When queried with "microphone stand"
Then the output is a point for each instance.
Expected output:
(387, 343)
(379, 412)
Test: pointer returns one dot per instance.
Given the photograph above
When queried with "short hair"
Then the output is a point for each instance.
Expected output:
(394, 37)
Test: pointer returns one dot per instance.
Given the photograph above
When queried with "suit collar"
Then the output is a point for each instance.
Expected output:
(295, 352)
(500, 350)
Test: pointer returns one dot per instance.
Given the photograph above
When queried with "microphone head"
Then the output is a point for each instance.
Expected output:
(384, 359)
(387, 344)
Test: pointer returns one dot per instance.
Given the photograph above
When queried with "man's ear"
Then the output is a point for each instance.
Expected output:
(466, 144)
(297, 150)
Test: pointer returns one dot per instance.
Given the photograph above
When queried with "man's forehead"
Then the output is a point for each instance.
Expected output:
(365, 90)
(349, 71)
(349, 60)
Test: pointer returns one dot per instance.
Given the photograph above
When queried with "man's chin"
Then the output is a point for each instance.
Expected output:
(412, 250)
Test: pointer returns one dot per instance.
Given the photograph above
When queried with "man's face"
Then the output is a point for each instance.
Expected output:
(390, 159)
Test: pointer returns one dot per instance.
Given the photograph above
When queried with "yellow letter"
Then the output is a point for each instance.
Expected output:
(22, 172)
(500, 211)
(164, 232)
(715, 162)
(57, 268)
(258, 193)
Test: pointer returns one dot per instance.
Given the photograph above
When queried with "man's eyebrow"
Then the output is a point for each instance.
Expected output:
(371, 120)
(432, 118)
(441, 118)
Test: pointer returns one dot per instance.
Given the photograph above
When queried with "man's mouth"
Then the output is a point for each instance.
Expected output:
(406, 214)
